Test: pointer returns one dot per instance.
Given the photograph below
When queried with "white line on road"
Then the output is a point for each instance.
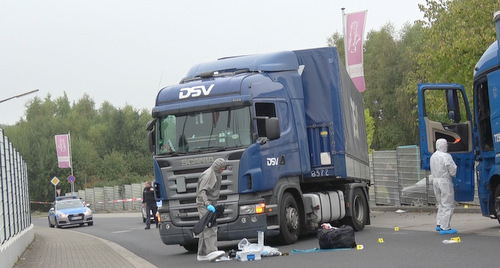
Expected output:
(120, 232)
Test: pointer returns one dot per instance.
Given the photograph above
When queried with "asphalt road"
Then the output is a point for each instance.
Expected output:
(414, 244)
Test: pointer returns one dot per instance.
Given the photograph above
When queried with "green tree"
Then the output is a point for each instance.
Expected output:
(387, 61)
(86, 162)
(114, 166)
(83, 115)
(370, 128)
(456, 34)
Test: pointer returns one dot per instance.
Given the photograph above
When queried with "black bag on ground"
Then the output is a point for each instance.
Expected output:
(341, 237)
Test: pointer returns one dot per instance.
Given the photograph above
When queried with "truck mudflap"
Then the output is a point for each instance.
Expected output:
(245, 226)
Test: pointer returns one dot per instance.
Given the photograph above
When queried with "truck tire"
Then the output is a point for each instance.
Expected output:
(359, 211)
(497, 202)
(289, 220)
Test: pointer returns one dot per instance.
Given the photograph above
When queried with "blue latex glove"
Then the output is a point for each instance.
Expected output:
(211, 208)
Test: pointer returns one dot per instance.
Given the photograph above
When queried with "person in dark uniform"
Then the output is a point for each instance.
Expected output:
(148, 197)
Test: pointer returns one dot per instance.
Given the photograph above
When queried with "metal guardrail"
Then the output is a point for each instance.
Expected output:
(14, 196)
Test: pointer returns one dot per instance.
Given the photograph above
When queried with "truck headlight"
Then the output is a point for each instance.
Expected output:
(252, 209)
(164, 217)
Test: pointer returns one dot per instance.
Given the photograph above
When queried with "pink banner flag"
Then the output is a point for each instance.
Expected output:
(63, 151)
(353, 36)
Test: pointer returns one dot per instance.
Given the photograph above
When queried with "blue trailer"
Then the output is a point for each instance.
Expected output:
(290, 126)
(473, 141)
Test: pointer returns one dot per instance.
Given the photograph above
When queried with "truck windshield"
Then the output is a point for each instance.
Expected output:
(204, 131)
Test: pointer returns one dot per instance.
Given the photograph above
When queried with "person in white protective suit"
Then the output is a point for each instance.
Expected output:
(207, 194)
(443, 169)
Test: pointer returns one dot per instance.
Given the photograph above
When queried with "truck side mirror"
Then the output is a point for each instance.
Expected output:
(151, 141)
(150, 127)
(273, 128)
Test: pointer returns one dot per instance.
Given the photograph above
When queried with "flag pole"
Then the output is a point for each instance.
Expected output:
(71, 162)
(345, 36)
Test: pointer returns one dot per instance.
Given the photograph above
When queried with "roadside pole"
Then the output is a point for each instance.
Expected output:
(72, 181)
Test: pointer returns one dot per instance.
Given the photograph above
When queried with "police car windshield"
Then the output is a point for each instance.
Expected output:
(75, 203)
(204, 131)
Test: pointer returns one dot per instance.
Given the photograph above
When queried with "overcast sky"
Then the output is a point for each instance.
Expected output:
(125, 51)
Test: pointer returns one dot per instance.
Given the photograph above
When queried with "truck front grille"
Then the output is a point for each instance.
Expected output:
(181, 185)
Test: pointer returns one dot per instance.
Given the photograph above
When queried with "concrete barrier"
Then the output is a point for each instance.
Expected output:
(13, 248)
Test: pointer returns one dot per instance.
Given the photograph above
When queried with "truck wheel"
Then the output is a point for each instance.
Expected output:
(289, 220)
(497, 203)
(359, 211)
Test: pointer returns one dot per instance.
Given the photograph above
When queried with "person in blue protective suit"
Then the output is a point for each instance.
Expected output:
(207, 193)
(443, 169)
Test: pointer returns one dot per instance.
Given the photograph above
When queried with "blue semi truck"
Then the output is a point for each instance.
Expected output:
(473, 140)
(290, 126)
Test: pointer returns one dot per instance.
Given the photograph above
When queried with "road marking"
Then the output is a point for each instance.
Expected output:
(120, 232)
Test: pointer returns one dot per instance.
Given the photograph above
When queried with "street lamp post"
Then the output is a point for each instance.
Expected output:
(20, 95)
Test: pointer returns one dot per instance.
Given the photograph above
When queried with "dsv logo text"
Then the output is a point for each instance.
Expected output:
(195, 91)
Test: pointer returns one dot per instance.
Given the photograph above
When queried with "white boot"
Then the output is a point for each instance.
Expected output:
(202, 258)
(212, 256)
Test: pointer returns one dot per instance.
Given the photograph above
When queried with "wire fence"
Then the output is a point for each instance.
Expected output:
(14, 195)
(114, 198)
